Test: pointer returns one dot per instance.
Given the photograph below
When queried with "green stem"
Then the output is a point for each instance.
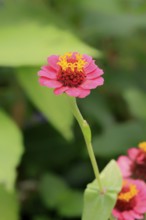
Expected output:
(145, 216)
(87, 136)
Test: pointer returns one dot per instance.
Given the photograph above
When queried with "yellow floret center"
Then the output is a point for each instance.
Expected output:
(75, 63)
(127, 196)
(142, 146)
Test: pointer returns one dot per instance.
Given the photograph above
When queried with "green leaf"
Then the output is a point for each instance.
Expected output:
(29, 34)
(96, 203)
(11, 149)
(118, 138)
(55, 108)
(136, 100)
(9, 209)
(110, 6)
(72, 205)
(111, 184)
(53, 190)
(110, 18)
(56, 194)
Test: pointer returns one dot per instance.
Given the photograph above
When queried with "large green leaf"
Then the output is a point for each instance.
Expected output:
(9, 209)
(11, 149)
(29, 34)
(55, 108)
(118, 138)
(99, 205)
(58, 195)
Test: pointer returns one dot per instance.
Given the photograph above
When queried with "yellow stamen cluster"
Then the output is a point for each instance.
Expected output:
(142, 146)
(126, 196)
(78, 63)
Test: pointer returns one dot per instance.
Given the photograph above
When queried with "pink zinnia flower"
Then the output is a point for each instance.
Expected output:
(134, 165)
(131, 201)
(72, 73)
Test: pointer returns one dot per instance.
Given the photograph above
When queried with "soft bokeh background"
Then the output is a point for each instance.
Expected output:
(44, 166)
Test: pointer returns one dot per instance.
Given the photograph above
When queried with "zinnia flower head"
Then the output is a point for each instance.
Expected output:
(134, 165)
(72, 73)
(131, 201)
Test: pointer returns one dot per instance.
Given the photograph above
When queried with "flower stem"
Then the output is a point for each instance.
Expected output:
(87, 136)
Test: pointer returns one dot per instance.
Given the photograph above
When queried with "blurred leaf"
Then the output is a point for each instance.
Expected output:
(109, 18)
(97, 204)
(11, 149)
(56, 194)
(99, 109)
(110, 6)
(28, 35)
(136, 100)
(42, 218)
(119, 138)
(53, 190)
(8, 205)
(72, 204)
(55, 108)
(113, 25)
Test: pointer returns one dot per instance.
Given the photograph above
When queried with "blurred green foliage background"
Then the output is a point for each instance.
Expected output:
(44, 166)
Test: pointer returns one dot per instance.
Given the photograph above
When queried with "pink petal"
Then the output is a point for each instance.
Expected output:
(92, 84)
(96, 73)
(88, 59)
(124, 164)
(84, 93)
(117, 214)
(90, 68)
(141, 185)
(52, 60)
(135, 215)
(132, 153)
(60, 90)
(141, 208)
(141, 204)
(47, 74)
(74, 91)
(49, 82)
(126, 216)
(49, 69)
(74, 54)
(140, 158)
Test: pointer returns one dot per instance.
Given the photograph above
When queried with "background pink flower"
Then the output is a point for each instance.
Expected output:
(134, 165)
(131, 201)
(72, 73)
